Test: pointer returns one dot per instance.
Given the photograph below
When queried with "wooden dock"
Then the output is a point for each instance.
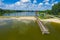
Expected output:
(44, 30)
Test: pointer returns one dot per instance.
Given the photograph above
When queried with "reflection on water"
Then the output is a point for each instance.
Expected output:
(20, 14)
(18, 30)
(27, 30)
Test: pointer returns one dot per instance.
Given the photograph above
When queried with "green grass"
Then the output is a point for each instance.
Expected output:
(18, 30)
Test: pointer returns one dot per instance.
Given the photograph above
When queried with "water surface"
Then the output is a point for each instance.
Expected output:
(20, 14)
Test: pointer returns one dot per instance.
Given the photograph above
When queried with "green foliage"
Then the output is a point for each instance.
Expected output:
(56, 9)
(48, 11)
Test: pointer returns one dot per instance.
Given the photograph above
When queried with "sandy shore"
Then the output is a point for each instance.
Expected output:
(19, 18)
(52, 20)
(30, 18)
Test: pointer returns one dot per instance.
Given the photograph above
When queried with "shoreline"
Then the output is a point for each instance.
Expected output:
(51, 20)
(30, 18)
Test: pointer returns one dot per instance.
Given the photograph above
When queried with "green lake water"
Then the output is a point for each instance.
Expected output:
(27, 30)
(19, 30)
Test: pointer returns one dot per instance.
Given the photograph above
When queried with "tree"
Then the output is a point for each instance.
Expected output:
(56, 9)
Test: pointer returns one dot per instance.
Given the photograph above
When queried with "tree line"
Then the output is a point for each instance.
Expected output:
(55, 9)
(2, 11)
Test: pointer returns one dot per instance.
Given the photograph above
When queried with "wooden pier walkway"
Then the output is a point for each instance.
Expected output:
(44, 30)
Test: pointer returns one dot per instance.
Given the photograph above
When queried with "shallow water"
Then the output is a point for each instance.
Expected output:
(18, 30)
(27, 30)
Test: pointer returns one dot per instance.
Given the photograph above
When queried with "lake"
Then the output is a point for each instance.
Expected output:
(20, 14)
(27, 30)
(19, 30)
